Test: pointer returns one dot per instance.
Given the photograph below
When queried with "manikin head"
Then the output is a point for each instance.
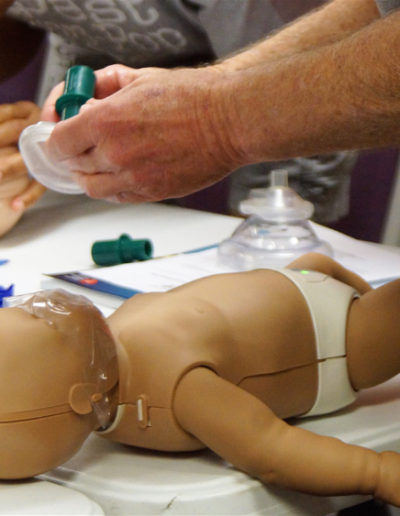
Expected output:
(58, 368)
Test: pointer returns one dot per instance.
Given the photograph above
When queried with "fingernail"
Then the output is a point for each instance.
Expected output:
(113, 199)
(18, 205)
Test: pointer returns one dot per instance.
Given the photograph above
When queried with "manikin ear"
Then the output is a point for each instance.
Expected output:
(82, 396)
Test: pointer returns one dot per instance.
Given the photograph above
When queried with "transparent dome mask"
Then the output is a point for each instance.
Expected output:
(55, 176)
(277, 230)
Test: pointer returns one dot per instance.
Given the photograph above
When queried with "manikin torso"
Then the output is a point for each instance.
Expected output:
(237, 332)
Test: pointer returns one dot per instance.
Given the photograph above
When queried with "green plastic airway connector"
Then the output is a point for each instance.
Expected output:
(122, 250)
(79, 88)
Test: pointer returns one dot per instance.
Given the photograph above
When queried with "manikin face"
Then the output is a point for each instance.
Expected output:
(57, 365)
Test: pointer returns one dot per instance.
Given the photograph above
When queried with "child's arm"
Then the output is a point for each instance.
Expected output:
(245, 432)
(325, 264)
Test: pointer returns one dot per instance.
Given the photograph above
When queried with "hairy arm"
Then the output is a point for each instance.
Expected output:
(133, 145)
(339, 96)
(322, 26)
(245, 432)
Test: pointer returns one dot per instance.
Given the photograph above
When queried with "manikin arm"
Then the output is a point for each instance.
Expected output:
(325, 264)
(374, 318)
(246, 433)
(373, 337)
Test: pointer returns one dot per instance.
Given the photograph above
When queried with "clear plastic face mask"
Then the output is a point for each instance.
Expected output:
(82, 325)
(276, 232)
(55, 176)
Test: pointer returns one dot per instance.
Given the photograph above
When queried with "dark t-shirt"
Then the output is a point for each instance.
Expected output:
(386, 6)
(158, 32)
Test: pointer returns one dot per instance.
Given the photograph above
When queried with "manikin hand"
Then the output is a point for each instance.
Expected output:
(150, 134)
(13, 119)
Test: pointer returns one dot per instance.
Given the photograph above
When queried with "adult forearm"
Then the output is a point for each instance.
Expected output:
(342, 96)
(322, 26)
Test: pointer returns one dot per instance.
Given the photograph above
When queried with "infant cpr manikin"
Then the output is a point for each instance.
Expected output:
(218, 363)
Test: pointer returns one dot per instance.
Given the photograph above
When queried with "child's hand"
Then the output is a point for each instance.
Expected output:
(14, 118)
(15, 182)
(17, 190)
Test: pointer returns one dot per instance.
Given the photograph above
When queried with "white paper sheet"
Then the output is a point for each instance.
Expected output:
(377, 264)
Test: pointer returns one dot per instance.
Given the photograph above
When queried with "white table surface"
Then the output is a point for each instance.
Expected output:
(56, 236)
(40, 498)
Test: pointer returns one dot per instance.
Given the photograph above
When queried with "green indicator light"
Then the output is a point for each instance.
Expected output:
(304, 272)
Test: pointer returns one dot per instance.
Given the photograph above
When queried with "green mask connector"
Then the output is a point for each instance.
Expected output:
(122, 250)
(79, 88)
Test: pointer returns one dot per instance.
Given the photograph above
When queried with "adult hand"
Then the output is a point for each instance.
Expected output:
(149, 134)
(13, 119)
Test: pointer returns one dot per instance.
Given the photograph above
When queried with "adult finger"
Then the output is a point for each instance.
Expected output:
(49, 113)
(108, 80)
(29, 196)
(71, 137)
(109, 185)
(90, 162)
(129, 197)
(112, 78)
